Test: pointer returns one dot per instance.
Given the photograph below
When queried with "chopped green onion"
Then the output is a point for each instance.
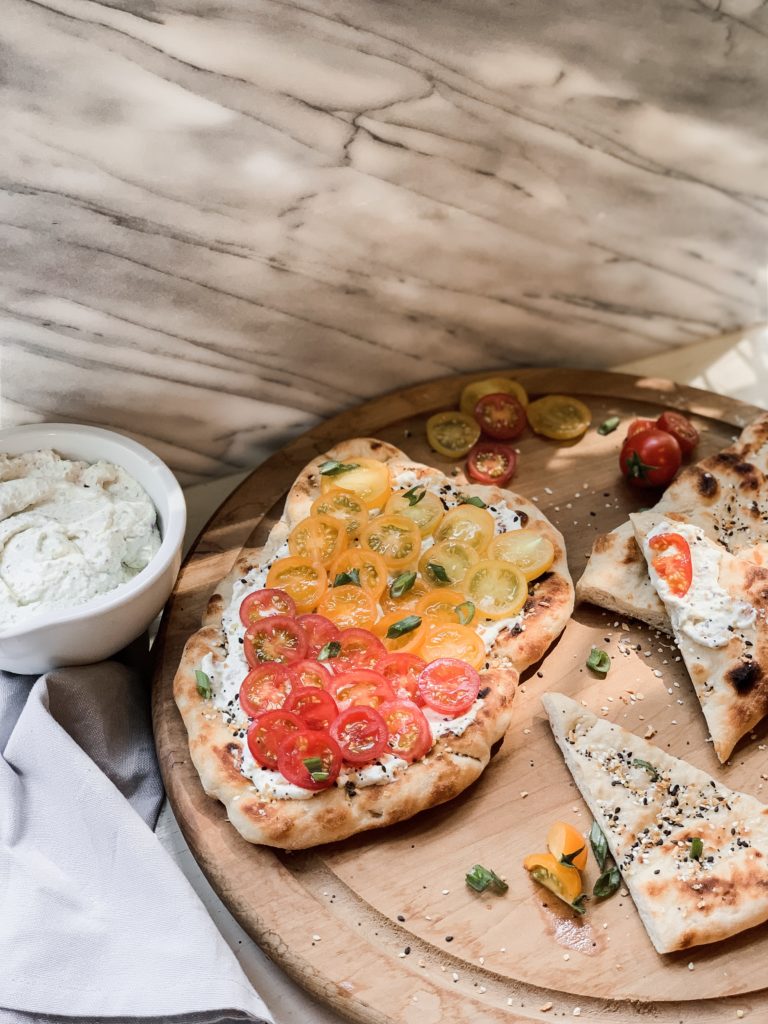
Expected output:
(343, 578)
(607, 884)
(599, 661)
(466, 499)
(415, 495)
(402, 584)
(579, 904)
(438, 572)
(465, 612)
(639, 763)
(697, 848)
(406, 625)
(608, 426)
(599, 844)
(480, 879)
(316, 769)
(332, 468)
(569, 858)
(330, 650)
(203, 684)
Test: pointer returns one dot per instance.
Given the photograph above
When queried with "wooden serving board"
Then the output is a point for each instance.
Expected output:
(382, 926)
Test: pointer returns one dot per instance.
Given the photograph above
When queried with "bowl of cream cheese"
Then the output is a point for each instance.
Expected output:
(91, 529)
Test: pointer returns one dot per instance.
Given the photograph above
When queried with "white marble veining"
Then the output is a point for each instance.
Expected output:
(222, 220)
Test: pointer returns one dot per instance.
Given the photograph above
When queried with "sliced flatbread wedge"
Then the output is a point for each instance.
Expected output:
(651, 807)
(719, 623)
(725, 494)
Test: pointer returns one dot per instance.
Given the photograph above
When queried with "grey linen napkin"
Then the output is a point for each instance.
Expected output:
(96, 920)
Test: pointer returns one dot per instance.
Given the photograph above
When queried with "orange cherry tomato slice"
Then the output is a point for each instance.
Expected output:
(309, 745)
(276, 638)
(452, 640)
(449, 686)
(402, 671)
(369, 566)
(318, 538)
(264, 689)
(409, 734)
(316, 708)
(263, 603)
(301, 579)
(361, 733)
(565, 841)
(343, 505)
(360, 686)
(406, 641)
(348, 606)
(562, 880)
(395, 538)
(266, 733)
(672, 561)
(441, 606)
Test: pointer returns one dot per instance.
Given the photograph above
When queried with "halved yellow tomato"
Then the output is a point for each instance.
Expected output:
(497, 589)
(559, 416)
(452, 433)
(452, 640)
(565, 841)
(422, 506)
(318, 538)
(395, 538)
(344, 505)
(369, 565)
(446, 564)
(407, 602)
(348, 606)
(441, 605)
(407, 641)
(563, 881)
(367, 478)
(467, 524)
(477, 389)
(302, 579)
(529, 550)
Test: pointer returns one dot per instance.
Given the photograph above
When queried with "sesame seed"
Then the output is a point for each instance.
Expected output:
(690, 966)
(315, 938)
(446, 891)
(566, 956)
(542, 1009)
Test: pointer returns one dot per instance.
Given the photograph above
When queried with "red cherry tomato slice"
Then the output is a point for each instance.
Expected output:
(360, 686)
(361, 733)
(650, 458)
(309, 759)
(636, 426)
(319, 631)
(316, 708)
(309, 673)
(409, 734)
(263, 603)
(264, 689)
(449, 686)
(672, 561)
(683, 431)
(402, 671)
(276, 638)
(359, 648)
(491, 463)
(266, 733)
(500, 416)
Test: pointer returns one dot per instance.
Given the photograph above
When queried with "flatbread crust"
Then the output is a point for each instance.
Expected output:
(452, 764)
(725, 494)
(682, 901)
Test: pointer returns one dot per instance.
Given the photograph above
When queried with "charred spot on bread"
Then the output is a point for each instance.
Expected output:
(602, 543)
(523, 516)
(632, 552)
(745, 676)
(706, 484)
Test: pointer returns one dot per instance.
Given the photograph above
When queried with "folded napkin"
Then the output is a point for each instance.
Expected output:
(96, 920)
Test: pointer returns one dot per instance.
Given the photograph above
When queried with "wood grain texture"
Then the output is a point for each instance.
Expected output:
(507, 956)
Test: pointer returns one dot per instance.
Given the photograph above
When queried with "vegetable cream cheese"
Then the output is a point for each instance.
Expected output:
(69, 532)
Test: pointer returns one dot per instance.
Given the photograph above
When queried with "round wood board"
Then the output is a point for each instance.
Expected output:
(382, 926)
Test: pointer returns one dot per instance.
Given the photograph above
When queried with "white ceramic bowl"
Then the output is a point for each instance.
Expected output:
(100, 627)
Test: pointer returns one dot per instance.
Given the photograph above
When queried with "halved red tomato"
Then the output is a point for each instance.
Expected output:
(492, 463)
(402, 671)
(683, 431)
(266, 733)
(264, 689)
(358, 648)
(672, 561)
(276, 638)
(360, 686)
(638, 426)
(319, 631)
(409, 734)
(449, 686)
(309, 673)
(309, 759)
(316, 708)
(361, 733)
(500, 416)
(263, 603)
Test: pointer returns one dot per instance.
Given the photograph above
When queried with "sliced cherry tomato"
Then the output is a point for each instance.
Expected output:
(447, 563)
(367, 478)
(560, 417)
(395, 538)
(266, 733)
(263, 603)
(672, 561)
(277, 638)
(316, 708)
(348, 606)
(529, 550)
(452, 640)
(567, 844)
(467, 524)
(318, 538)
(500, 416)
(497, 589)
(449, 686)
(637, 426)
(402, 671)
(492, 463)
(403, 641)
(361, 733)
(319, 631)
(409, 734)
(474, 391)
(683, 431)
(407, 601)
(343, 505)
(309, 672)
(562, 880)
(452, 433)
(358, 648)
(442, 606)
(361, 686)
(369, 567)
(417, 503)
(309, 759)
(650, 458)
(303, 580)
(264, 689)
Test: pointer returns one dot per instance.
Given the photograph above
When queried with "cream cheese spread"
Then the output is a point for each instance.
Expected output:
(70, 531)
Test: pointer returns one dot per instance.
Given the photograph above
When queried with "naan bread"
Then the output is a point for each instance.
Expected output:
(719, 625)
(650, 815)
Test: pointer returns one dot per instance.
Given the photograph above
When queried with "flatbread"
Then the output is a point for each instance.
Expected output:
(217, 739)
(725, 654)
(649, 817)
(725, 494)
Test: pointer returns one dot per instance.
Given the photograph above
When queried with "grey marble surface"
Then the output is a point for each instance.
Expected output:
(223, 219)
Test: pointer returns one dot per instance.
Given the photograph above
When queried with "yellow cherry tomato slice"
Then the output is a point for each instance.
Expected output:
(407, 602)
(318, 538)
(478, 389)
(409, 641)
(452, 640)
(563, 881)
(395, 538)
(350, 607)
(468, 525)
(422, 506)
(497, 589)
(367, 478)
(558, 416)
(452, 433)
(442, 606)
(446, 564)
(303, 580)
(344, 505)
(370, 567)
(565, 841)
(529, 550)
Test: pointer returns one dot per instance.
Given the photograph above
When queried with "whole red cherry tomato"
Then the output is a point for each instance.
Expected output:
(650, 458)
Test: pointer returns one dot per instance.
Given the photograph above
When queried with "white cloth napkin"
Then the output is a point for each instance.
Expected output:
(96, 921)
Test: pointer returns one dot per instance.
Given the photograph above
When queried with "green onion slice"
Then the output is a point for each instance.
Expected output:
(406, 625)
(204, 687)
(480, 879)
(608, 426)
(332, 468)
(599, 661)
(330, 650)
(402, 584)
